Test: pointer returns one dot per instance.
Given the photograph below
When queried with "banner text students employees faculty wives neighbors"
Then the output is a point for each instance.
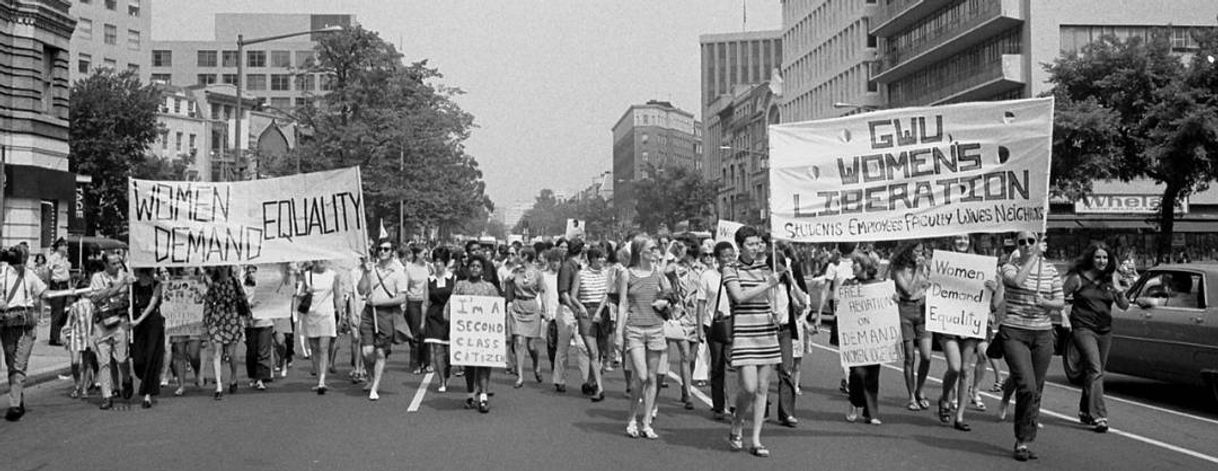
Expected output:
(916, 172)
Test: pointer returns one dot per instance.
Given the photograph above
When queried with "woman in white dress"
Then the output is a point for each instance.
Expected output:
(318, 324)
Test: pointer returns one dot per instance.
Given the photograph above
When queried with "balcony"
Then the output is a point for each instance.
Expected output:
(990, 80)
(900, 14)
(987, 21)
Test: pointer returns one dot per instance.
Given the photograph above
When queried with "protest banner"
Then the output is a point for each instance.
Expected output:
(913, 172)
(868, 324)
(958, 303)
(575, 229)
(273, 292)
(477, 332)
(182, 306)
(312, 216)
(725, 231)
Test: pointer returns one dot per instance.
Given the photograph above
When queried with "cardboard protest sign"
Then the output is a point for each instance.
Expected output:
(868, 324)
(478, 324)
(958, 303)
(312, 216)
(913, 172)
(182, 306)
(575, 229)
(725, 231)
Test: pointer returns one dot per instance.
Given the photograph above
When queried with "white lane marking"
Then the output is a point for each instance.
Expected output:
(696, 392)
(1119, 399)
(418, 395)
(1134, 436)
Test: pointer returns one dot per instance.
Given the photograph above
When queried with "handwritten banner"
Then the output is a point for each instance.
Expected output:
(575, 229)
(312, 216)
(958, 303)
(868, 324)
(478, 327)
(182, 306)
(725, 231)
(273, 292)
(913, 172)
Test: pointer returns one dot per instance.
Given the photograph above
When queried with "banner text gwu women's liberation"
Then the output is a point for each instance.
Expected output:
(193, 222)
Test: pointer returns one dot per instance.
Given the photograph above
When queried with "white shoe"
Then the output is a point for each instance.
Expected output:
(443, 388)
(372, 396)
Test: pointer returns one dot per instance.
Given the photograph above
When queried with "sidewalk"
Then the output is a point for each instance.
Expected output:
(46, 362)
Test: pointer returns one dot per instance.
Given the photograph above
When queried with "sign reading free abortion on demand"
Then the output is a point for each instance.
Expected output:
(913, 172)
(311, 216)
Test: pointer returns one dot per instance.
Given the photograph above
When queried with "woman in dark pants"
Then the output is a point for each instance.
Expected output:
(1094, 286)
(148, 348)
(864, 382)
(259, 337)
(1033, 292)
(715, 307)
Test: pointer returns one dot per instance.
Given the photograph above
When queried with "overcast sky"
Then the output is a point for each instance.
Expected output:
(545, 80)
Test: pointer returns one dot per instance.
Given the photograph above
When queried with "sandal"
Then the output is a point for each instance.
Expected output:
(853, 415)
(923, 403)
(648, 433)
(978, 403)
(75, 394)
(961, 426)
(760, 451)
(735, 442)
(945, 412)
(632, 429)
(913, 405)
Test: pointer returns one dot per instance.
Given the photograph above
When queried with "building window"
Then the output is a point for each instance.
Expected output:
(111, 34)
(165, 140)
(110, 64)
(134, 68)
(133, 40)
(133, 7)
(161, 78)
(281, 82)
(48, 78)
(303, 101)
(304, 59)
(178, 142)
(111, 5)
(162, 58)
(84, 63)
(281, 59)
(206, 79)
(228, 58)
(305, 82)
(282, 103)
(255, 58)
(85, 26)
(327, 82)
(228, 79)
(191, 141)
(177, 109)
(206, 58)
(255, 82)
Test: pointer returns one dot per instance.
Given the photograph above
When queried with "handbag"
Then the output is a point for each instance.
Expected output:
(995, 351)
(673, 330)
(306, 299)
(242, 302)
(721, 328)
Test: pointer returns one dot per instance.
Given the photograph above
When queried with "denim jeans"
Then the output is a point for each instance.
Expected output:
(786, 379)
(1028, 353)
(1093, 355)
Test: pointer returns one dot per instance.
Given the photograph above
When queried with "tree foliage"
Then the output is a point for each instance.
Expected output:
(1130, 109)
(397, 124)
(548, 216)
(112, 119)
(668, 195)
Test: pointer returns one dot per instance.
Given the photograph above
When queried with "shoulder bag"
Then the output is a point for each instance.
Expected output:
(306, 299)
(721, 327)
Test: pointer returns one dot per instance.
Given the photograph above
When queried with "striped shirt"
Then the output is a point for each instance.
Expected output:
(755, 339)
(642, 292)
(593, 285)
(1021, 309)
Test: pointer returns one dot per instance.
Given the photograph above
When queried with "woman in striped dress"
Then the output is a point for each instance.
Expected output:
(641, 329)
(591, 288)
(755, 348)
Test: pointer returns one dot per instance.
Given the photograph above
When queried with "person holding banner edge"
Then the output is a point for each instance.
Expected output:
(910, 273)
(1033, 292)
(384, 287)
(755, 347)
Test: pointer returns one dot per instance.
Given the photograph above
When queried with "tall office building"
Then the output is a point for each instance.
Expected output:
(827, 59)
(276, 71)
(653, 134)
(111, 33)
(730, 62)
(39, 194)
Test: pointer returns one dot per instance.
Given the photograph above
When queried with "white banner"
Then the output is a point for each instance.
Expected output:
(312, 216)
(273, 290)
(575, 229)
(913, 172)
(725, 231)
(868, 324)
(478, 327)
(958, 303)
(182, 306)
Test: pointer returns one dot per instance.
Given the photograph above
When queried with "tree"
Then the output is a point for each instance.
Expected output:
(546, 217)
(667, 195)
(1129, 109)
(112, 118)
(402, 129)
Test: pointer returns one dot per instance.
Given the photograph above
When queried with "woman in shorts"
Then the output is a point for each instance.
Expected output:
(591, 289)
(911, 273)
(641, 329)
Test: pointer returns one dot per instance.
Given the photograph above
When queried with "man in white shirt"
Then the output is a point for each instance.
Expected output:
(713, 306)
(21, 295)
(61, 275)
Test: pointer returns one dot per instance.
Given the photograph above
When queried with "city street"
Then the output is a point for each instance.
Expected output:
(288, 427)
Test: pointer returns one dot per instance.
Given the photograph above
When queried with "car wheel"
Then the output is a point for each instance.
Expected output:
(1071, 364)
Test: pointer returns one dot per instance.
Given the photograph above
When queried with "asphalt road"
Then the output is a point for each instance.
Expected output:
(288, 427)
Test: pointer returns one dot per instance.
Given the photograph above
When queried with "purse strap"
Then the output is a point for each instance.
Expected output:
(381, 282)
(13, 291)
(717, 294)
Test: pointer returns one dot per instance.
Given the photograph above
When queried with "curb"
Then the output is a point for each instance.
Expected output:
(40, 377)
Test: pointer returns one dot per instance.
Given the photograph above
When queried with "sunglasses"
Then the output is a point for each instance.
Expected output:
(386, 249)
(1028, 241)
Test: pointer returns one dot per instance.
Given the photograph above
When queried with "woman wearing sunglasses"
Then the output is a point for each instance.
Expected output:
(384, 287)
(1033, 293)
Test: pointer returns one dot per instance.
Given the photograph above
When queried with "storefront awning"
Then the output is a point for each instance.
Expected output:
(1143, 224)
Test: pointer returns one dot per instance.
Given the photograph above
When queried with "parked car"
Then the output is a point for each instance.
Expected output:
(1170, 331)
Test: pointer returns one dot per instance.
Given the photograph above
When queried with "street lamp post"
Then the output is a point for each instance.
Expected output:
(241, 43)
